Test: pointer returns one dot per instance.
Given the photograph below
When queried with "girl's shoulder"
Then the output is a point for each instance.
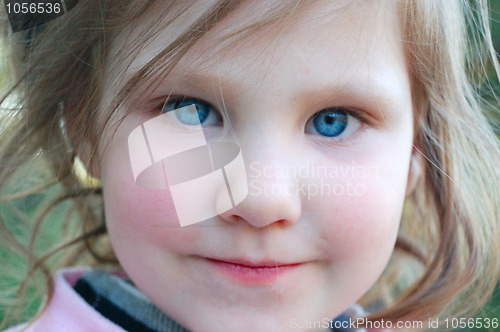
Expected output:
(67, 310)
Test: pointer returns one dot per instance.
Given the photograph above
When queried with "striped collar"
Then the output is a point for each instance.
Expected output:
(119, 301)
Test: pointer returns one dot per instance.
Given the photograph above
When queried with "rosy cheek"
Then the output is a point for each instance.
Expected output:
(144, 215)
(361, 216)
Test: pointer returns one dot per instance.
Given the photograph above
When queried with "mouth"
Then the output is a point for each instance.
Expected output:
(246, 272)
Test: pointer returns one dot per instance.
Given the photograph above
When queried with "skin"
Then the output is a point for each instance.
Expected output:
(271, 87)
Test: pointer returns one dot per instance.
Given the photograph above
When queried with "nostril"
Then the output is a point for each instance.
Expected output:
(264, 211)
(236, 218)
(284, 222)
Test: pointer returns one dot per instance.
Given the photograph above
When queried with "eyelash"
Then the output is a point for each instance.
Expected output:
(173, 99)
(356, 113)
(361, 116)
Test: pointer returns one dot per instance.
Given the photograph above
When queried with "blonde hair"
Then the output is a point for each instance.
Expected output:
(451, 217)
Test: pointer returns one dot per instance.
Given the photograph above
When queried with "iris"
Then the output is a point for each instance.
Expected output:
(204, 114)
(330, 122)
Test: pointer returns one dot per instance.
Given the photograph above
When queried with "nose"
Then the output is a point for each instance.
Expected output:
(273, 195)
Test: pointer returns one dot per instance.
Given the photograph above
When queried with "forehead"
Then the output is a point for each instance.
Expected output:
(352, 41)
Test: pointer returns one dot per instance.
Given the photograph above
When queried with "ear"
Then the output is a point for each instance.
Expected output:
(414, 171)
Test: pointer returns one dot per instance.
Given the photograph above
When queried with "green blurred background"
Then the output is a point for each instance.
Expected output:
(52, 233)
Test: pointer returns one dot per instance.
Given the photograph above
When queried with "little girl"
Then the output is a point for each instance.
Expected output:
(248, 163)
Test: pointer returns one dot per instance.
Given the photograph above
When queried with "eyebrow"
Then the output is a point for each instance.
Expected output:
(380, 93)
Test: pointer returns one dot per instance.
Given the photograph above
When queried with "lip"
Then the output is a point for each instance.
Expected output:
(246, 272)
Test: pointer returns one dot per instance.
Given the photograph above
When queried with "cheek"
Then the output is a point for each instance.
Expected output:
(140, 217)
(361, 214)
(358, 230)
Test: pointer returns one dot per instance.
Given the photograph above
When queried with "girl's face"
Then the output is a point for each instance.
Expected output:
(325, 192)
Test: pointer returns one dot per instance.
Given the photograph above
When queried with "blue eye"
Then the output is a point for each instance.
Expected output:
(205, 114)
(333, 122)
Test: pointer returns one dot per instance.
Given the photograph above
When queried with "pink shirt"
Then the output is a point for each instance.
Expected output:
(68, 311)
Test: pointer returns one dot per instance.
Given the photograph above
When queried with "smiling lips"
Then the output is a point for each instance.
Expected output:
(248, 273)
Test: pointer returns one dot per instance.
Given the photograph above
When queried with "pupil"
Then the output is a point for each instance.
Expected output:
(329, 119)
